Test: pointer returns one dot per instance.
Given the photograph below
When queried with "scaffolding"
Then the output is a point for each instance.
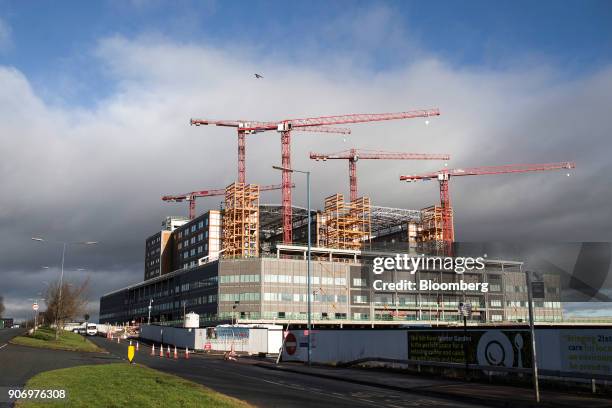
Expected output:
(347, 225)
(241, 221)
(430, 238)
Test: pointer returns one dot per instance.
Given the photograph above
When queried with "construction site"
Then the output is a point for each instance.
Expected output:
(248, 261)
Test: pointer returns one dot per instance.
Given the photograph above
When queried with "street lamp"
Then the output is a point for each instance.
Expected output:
(307, 173)
(150, 306)
(59, 301)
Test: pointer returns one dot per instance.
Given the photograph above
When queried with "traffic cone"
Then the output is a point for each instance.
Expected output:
(168, 352)
(161, 351)
(175, 353)
(153, 350)
(137, 346)
(186, 353)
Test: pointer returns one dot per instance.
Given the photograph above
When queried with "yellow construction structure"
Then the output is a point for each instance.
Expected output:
(347, 225)
(430, 237)
(241, 221)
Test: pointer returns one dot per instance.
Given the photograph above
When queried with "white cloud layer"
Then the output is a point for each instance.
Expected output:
(98, 173)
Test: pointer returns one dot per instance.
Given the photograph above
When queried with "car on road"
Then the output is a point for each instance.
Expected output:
(92, 329)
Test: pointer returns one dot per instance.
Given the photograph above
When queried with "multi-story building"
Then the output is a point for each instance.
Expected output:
(159, 248)
(198, 240)
(274, 289)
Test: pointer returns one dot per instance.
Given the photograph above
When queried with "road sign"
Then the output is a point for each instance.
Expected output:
(35, 306)
(131, 351)
(537, 290)
(290, 344)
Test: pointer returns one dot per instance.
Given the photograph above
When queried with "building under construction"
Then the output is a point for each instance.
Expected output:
(247, 261)
(232, 265)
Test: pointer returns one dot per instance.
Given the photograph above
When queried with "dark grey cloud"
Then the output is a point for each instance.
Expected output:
(70, 173)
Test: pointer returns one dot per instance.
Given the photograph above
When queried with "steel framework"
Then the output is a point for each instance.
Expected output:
(347, 225)
(241, 221)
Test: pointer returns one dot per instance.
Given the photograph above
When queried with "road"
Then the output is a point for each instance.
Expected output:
(18, 363)
(269, 388)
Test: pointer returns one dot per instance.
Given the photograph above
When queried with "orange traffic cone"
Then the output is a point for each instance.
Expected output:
(175, 353)
(186, 353)
(153, 350)
(168, 352)
(161, 351)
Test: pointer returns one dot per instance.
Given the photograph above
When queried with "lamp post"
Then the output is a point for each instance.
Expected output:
(308, 279)
(150, 306)
(61, 284)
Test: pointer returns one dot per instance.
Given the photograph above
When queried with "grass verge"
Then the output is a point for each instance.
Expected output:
(123, 385)
(44, 337)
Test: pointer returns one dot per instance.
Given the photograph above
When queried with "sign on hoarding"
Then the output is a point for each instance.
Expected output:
(504, 348)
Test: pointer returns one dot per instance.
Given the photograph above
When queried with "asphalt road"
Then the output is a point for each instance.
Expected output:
(269, 388)
(18, 363)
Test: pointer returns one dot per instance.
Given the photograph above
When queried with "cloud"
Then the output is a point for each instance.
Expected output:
(98, 173)
(6, 40)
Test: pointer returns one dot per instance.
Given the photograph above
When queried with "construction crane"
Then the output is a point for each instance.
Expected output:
(443, 176)
(286, 126)
(248, 127)
(191, 197)
(354, 155)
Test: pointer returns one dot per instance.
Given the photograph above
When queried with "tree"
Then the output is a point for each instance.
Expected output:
(1, 306)
(65, 304)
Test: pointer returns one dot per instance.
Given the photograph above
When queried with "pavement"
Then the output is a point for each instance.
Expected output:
(265, 388)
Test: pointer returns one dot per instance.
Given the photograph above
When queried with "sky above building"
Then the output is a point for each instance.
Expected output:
(95, 99)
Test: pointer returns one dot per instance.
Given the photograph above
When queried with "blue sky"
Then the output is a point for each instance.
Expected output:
(52, 41)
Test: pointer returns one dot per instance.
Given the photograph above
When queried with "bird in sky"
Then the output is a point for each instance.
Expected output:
(257, 76)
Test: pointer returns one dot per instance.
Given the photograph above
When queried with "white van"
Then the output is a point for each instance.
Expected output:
(92, 329)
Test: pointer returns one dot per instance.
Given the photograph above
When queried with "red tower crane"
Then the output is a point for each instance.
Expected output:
(354, 155)
(191, 197)
(285, 127)
(241, 128)
(443, 176)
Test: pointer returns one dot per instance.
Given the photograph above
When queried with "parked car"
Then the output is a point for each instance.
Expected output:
(92, 329)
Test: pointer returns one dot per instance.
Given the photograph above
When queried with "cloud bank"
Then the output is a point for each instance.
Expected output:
(97, 173)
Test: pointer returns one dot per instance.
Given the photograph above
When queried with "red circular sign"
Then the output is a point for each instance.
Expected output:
(290, 344)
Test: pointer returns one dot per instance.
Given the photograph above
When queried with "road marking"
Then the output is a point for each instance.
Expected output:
(3, 346)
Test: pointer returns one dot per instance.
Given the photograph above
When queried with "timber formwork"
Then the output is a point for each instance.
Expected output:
(430, 238)
(347, 225)
(241, 221)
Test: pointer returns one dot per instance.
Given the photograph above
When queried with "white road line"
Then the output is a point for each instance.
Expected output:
(3, 346)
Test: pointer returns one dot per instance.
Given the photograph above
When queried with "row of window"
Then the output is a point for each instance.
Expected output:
(195, 251)
(202, 283)
(238, 278)
(239, 297)
(195, 239)
(301, 297)
(315, 280)
(193, 228)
